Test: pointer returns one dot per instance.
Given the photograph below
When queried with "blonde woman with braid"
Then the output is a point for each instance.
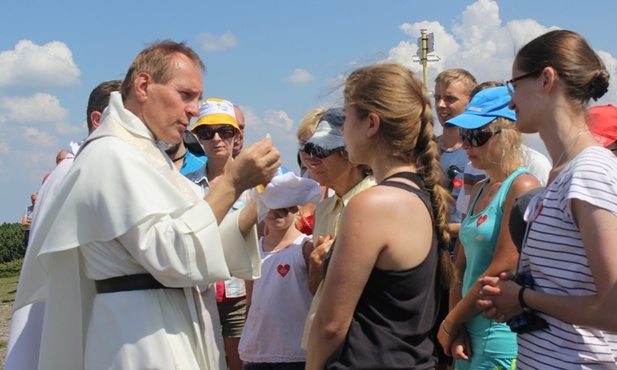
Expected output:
(380, 293)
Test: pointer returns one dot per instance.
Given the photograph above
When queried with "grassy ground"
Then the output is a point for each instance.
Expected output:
(8, 286)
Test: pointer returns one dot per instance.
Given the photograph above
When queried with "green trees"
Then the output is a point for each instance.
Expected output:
(12, 249)
(11, 242)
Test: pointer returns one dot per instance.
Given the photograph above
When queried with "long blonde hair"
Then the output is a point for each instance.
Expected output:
(402, 103)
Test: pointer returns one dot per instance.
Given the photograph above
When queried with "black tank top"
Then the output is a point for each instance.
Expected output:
(392, 322)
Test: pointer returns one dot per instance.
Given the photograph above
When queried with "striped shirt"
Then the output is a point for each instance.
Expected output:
(554, 253)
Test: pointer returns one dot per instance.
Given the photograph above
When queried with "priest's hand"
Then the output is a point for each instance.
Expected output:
(255, 165)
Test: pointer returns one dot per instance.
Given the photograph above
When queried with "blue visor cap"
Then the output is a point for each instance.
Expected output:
(484, 107)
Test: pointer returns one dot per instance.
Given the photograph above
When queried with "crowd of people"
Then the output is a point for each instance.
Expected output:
(159, 243)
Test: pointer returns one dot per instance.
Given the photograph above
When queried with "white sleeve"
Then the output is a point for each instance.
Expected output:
(191, 249)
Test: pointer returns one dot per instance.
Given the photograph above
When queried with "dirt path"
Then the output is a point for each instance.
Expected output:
(5, 320)
(8, 287)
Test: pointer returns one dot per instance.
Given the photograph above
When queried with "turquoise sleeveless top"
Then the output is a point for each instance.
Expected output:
(478, 234)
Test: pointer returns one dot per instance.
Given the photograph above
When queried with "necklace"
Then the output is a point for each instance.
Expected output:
(565, 151)
(179, 158)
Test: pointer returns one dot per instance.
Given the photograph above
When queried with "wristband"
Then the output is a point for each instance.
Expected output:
(521, 300)
(443, 326)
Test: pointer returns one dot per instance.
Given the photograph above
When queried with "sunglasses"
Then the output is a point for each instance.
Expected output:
(207, 133)
(284, 211)
(476, 137)
(313, 150)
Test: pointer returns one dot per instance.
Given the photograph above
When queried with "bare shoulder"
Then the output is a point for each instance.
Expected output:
(383, 200)
(523, 183)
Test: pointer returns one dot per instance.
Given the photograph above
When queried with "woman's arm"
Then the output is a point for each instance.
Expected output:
(445, 336)
(358, 246)
(598, 231)
(504, 259)
(307, 248)
(249, 293)
(315, 262)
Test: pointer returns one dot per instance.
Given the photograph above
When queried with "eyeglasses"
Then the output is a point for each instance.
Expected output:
(207, 133)
(315, 151)
(477, 137)
(510, 82)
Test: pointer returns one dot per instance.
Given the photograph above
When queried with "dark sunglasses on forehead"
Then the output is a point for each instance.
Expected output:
(316, 151)
(478, 136)
(207, 133)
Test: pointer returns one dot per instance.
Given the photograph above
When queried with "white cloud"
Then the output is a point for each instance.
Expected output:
(65, 128)
(212, 42)
(35, 138)
(272, 118)
(276, 123)
(480, 43)
(39, 107)
(38, 66)
(299, 77)
(278, 119)
(251, 117)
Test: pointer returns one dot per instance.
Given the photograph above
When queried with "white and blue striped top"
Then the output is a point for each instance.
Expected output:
(554, 253)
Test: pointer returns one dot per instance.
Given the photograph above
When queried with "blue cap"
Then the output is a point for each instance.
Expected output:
(484, 107)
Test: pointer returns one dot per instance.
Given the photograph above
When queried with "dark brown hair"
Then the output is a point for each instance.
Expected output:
(577, 64)
(99, 98)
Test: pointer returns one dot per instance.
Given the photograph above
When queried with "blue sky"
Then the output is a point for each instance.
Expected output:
(276, 60)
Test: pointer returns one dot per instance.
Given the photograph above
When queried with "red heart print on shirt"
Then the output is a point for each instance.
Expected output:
(283, 269)
(481, 220)
(457, 183)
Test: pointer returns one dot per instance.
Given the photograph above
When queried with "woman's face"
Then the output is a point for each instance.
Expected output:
(281, 219)
(220, 146)
(486, 155)
(525, 99)
(304, 137)
(354, 132)
(329, 171)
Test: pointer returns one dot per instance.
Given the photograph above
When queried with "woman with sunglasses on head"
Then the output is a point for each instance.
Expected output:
(327, 162)
(493, 144)
(306, 129)
(216, 129)
(380, 294)
(568, 264)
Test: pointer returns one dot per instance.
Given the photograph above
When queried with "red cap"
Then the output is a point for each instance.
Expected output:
(602, 122)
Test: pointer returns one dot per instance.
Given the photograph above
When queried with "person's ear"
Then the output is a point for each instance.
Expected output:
(95, 118)
(373, 124)
(143, 80)
(549, 78)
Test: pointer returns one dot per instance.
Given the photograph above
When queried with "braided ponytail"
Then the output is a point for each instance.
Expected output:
(427, 155)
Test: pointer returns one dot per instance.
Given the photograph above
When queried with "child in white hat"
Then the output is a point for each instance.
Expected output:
(280, 299)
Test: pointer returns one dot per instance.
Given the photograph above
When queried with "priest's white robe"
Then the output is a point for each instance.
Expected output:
(123, 209)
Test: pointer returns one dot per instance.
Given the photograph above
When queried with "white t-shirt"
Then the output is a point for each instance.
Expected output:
(280, 303)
